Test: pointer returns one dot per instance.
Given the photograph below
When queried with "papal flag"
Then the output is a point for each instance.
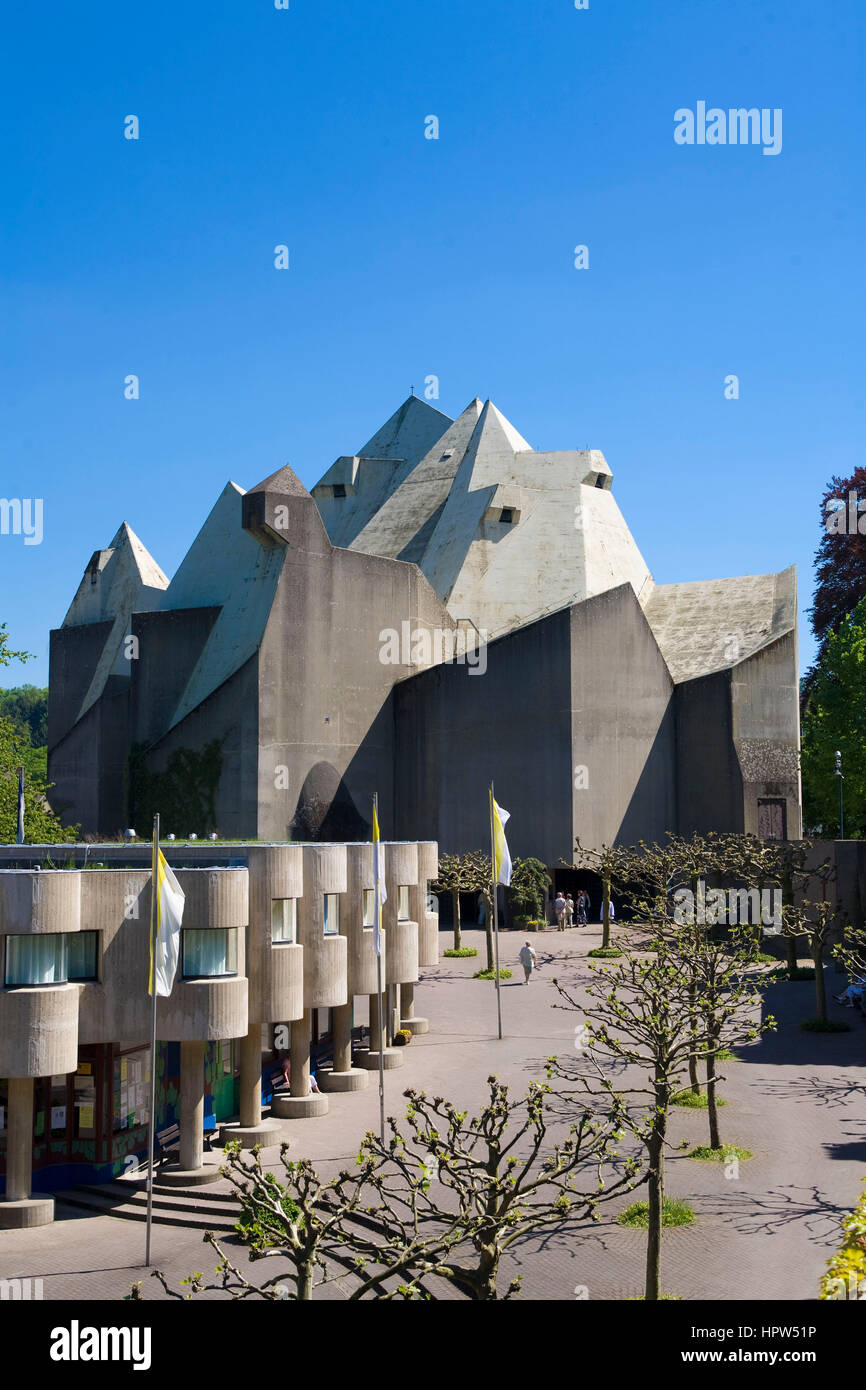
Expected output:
(169, 915)
(501, 857)
(380, 894)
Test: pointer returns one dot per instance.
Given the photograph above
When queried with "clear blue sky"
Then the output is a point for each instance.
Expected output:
(411, 256)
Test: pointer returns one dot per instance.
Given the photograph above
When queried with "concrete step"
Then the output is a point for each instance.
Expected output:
(169, 1208)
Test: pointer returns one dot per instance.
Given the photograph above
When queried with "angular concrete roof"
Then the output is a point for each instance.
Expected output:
(380, 466)
(567, 539)
(712, 624)
(225, 567)
(119, 581)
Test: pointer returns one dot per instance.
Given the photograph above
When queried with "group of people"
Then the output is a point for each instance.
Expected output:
(570, 910)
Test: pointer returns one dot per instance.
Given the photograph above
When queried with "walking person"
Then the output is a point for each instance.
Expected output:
(582, 908)
(527, 960)
(569, 911)
(559, 909)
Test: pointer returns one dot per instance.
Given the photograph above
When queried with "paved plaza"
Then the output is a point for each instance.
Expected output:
(795, 1099)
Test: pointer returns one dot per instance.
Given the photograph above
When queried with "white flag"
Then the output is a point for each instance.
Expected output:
(380, 894)
(501, 856)
(169, 915)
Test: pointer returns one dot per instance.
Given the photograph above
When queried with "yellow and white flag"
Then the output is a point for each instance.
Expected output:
(501, 856)
(380, 894)
(169, 915)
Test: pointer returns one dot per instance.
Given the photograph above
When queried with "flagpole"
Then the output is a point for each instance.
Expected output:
(154, 890)
(495, 918)
(381, 1007)
(20, 831)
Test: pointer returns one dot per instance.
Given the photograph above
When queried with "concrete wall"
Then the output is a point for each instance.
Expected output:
(325, 743)
(709, 781)
(623, 724)
(456, 731)
(766, 731)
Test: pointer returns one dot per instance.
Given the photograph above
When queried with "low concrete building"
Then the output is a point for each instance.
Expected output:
(275, 939)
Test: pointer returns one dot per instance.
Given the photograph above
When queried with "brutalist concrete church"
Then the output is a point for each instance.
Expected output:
(447, 606)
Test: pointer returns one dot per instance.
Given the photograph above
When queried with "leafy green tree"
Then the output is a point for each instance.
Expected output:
(454, 878)
(840, 561)
(835, 718)
(528, 889)
(685, 997)
(27, 707)
(41, 826)
(444, 1196)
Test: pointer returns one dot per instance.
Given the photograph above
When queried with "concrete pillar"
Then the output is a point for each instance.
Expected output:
(18, 1208)
(191, 1105)
(251, 1129)
(19, 1144)
(342, 1016)
(251, 1077)
(393, 1010)
(301, 1034)
(301, 1104)
(391, 1056)
(343, 1076)
(377, 1039)
(407, 1009)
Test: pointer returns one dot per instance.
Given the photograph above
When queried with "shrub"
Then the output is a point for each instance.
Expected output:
(460, 951)
(490, 975)
(674, 1213)
(605, 952)
(723, 1155)
(692, 1101)
(846, 1272)
(402, 1037)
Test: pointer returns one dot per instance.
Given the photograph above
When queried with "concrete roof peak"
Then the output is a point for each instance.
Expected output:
(149, 571)
(410, 432)
(514, 437)
(284, 481)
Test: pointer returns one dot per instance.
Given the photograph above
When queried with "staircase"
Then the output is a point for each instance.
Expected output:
(172, 1206)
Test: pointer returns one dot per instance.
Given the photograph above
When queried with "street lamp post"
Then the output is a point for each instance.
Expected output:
(840, 775)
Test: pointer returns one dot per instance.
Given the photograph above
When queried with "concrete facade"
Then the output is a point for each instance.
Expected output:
(275, 967)
(309, 652)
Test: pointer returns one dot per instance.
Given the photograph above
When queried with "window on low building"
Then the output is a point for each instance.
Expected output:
(83, 955)
(332, 914)
(284, 920)
(210, 952)
(36, 960)
(369, 907)
(506, 516)
(339, 489)
(403, 903)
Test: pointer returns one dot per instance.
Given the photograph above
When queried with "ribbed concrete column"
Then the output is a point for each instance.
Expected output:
(19, 1145)
(191, 1105)
(393, 1010)
(251, 1077)
(301, 1033)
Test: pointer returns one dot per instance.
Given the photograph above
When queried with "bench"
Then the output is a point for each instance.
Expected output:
(168, 1140)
